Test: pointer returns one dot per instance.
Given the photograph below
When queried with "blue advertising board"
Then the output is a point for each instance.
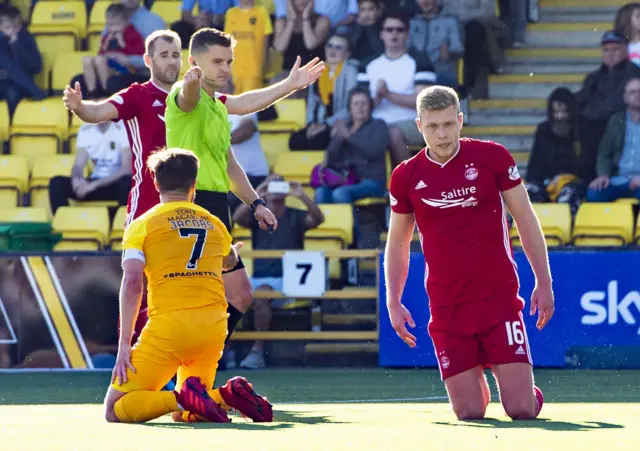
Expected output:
(597, 306)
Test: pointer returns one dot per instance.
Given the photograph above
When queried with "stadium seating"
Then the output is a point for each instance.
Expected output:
(185, 66)
(292, 115)
(297, 166)
(555, 220)
(117, 229)
(14, 176)
(24, 214)
(273, 145)
(76, 123)
(59, 26)
(43, 170)
(637, 238)
(603, 224)
(82, 228)
(39, 127)
(97, 21)
(65, 67)
(43, 78)
(335, 233)
(169, 10)
(4, 121)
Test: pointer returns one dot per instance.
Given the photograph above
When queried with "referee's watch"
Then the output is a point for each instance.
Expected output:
(255, 204)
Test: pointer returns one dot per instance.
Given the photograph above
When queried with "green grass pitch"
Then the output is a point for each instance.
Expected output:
(330, 409)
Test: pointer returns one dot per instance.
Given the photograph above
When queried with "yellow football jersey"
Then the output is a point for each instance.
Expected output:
(182, 246)
(249, 27)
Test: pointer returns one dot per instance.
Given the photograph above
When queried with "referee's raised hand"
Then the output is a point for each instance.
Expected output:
(193, 75)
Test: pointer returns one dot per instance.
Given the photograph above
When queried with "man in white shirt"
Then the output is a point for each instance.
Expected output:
(395, 78)
(106, 146)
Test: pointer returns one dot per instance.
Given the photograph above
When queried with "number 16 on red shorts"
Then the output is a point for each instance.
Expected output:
(504, 342)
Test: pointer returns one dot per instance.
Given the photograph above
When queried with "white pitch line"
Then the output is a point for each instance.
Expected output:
(360, 401)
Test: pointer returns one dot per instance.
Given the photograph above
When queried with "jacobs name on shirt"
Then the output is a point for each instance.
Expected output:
(186, 217)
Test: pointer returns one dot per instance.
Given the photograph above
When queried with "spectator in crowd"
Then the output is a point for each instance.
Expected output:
(628, 24)
(515, 14)
(245, 140)
(341, 13)
(560, 163)
(366, 44)
(394, 80)
(358, 144)
(602, 93)
(145, 22)
(121, 41)
(211, 13)
(302, 32)
(484, 32)
(107, 147)
(438, 36)
(327, 101)
(20, 60)
(267, 273)
(250, 25)
(619, 153)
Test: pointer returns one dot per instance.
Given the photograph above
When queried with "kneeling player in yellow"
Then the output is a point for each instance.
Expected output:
(182, 249)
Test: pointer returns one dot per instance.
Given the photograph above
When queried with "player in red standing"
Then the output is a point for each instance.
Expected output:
(455, 190)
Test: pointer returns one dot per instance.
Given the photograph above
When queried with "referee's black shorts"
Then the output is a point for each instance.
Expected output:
(217, 204)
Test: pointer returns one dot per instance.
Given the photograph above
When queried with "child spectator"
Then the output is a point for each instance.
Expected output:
(20, 60)
(121, 41)
(250, 25)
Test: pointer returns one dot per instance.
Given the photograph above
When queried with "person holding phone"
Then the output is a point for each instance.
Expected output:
(267, 273)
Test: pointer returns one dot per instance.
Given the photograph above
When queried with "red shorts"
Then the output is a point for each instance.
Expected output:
(505, 342)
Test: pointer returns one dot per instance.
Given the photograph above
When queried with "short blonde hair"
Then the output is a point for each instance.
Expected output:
(436, 98)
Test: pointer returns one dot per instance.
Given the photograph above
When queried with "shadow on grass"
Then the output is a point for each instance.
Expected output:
(540, 423)
(283, 419)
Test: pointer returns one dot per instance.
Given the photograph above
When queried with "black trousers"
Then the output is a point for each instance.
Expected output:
(60, 191)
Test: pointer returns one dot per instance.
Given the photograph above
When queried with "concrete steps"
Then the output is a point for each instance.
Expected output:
(567, 34)
(508, 111)
(516, 138)
(533, 86)
(527, 68)
(548, 55)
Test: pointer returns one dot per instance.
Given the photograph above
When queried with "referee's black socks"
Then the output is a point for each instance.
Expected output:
(235, 315)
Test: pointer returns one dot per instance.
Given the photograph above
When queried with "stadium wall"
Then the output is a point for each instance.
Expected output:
(596, 322)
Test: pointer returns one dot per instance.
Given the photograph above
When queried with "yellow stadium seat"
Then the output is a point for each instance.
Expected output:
(14, 176)
(44, 77)
(628, 200)
(44, 169)
(555, 220)
(603, 224)
(314, 244)
(638, 228)
(65, 67)
(292, 116)
(247, 261)
(23, 214)
(240, 233)
(337, 225)
(85, 228)
(117, 229)
(4, 121)
(297, 166)
(170, 11)
(294, 202)
(275, 62)
(273, 145)
(97, 22)
(59, 26)
(39, 127)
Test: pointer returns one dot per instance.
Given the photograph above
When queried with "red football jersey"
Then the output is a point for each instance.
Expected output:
(141, 107)
(462, 221)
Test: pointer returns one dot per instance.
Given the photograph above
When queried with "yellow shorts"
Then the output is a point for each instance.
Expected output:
(243, 84)
(189, 342)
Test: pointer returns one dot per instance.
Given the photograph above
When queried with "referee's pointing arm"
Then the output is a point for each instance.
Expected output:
(189, 95)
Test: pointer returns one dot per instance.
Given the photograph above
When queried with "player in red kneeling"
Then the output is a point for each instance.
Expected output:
(455, 190)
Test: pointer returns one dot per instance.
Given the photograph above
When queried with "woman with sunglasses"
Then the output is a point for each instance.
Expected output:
(327, 100)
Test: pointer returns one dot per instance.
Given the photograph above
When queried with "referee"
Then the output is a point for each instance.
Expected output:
(197, 119)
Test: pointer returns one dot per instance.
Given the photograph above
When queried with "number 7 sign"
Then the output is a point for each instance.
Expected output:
(304, 274)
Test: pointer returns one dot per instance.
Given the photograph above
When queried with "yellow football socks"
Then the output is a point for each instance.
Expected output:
(217, 397)
(141, 406)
